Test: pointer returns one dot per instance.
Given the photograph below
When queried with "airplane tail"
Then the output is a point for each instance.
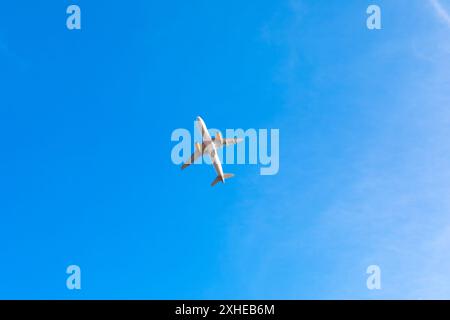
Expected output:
(219, 178)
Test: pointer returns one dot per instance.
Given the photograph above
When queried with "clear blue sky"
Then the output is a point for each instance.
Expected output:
(86, 176)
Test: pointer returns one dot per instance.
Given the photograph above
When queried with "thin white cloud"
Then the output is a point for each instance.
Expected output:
(441, 12)
(393, 209)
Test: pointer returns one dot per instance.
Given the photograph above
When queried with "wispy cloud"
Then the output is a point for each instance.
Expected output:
(440, 10)
(382, 198)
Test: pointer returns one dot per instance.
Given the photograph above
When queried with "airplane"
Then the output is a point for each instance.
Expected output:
(209, 146)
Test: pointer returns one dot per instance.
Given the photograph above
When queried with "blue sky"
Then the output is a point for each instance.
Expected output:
(86, 176)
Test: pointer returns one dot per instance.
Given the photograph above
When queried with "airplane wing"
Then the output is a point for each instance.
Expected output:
(219, 142)
(191, 160)
(198, 152)
(230, 141)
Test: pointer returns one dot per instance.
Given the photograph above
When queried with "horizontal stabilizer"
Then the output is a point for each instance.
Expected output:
(219, 178)
(228, 175)
(216, 180)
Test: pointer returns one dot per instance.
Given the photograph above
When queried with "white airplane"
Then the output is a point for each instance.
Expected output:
(209, 146)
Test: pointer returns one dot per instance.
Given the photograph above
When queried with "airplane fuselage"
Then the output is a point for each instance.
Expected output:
(210, 148)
